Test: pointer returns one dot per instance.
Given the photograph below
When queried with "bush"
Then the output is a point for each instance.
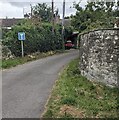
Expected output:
(38, 38)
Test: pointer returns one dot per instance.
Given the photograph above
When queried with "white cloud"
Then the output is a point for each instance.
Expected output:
(10, 11)
(11, 8)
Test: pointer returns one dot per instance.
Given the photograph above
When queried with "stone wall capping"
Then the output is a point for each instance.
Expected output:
(100, 29)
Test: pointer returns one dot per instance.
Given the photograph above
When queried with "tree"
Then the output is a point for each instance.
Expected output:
(43, 12)
(94, 15)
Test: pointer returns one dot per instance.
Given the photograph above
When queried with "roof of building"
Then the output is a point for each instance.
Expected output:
(9, 22)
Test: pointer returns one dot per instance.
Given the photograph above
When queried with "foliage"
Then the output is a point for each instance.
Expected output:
(68, 31)
(44, 12)
(95, 15)
(38, 30)
(75, 96)
(38, 38)
(18, 60)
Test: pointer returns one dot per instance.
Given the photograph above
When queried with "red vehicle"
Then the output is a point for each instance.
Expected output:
(69, 45)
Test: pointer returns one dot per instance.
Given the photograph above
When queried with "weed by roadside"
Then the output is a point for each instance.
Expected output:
(18, 60)
(76, 97)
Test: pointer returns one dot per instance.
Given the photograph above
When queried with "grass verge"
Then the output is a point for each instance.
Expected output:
(18, 60)
(73, 96)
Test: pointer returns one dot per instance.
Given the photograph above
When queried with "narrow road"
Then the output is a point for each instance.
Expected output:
(26, 88)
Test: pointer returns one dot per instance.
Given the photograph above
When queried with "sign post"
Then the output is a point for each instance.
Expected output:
(21, 37)
(22, 46)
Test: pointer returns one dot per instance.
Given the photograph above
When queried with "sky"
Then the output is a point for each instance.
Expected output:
(13, 9)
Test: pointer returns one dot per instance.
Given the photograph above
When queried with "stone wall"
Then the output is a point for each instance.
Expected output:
(5, 53)
(99, 55)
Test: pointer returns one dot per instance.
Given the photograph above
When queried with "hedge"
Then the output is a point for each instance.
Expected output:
(39, 38)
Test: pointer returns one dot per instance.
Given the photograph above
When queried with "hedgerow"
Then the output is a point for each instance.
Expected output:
(39, 38)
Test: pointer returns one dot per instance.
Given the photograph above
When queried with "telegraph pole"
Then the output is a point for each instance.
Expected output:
(53, 16)
(63, 48)
(23, 12)
(31, 10)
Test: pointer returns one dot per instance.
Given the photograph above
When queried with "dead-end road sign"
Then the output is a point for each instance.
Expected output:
(21, 37)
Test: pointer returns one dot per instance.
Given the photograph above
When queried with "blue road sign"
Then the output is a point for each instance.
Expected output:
(21, 36)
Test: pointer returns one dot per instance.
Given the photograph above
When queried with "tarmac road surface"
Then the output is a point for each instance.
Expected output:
(26, 88)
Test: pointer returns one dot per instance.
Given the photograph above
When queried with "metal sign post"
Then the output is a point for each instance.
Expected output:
(22, 47)
(21, 37)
